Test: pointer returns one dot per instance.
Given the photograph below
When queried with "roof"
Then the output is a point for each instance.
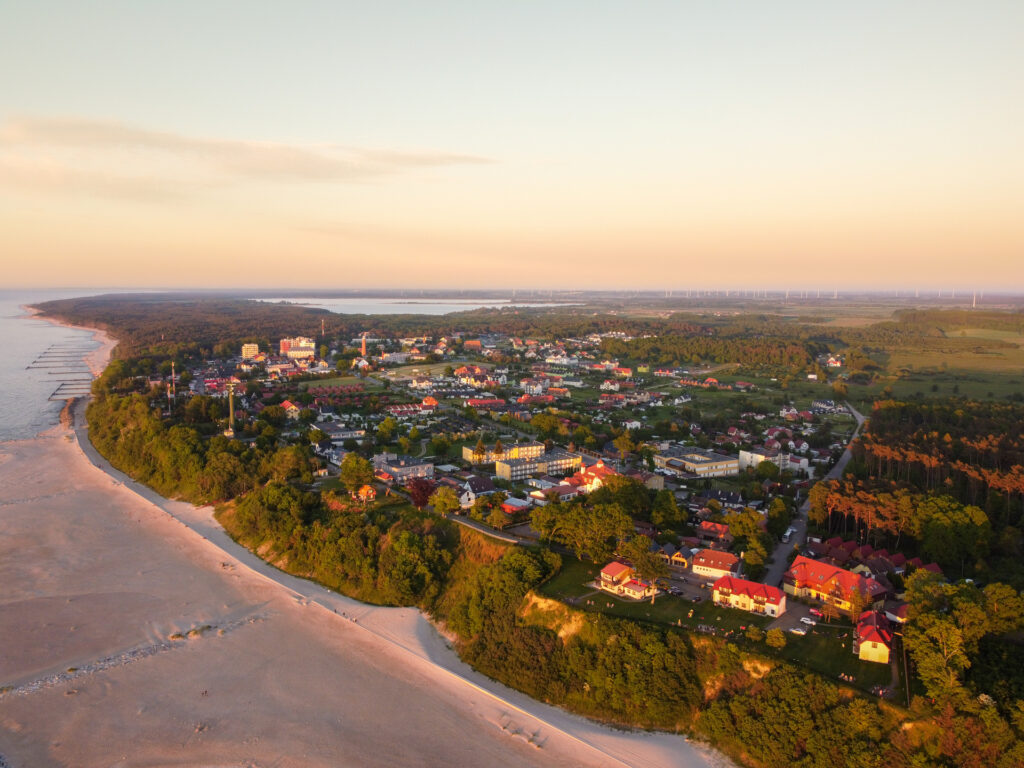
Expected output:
(616, 569)
(751, 589)
(711, 558)
(807, 572)
(872, 626)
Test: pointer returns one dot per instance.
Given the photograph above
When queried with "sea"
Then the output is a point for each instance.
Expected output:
(25, 389)
(404, 306)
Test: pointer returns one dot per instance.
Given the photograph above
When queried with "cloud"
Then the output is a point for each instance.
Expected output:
(79, 155)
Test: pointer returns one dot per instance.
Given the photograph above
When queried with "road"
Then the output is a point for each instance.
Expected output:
(780, 557)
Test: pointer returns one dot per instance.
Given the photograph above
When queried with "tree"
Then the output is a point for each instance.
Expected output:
(624, 444)
(767, 470)
(665, 513)
(420, 490)
(316, 435)
(386, 429)
(479, 451)
(355, 472)
(414, 433)
(497, 518)
(499, 449)
(647, 564)
(445, 501)
(775, 639)
(754, 634)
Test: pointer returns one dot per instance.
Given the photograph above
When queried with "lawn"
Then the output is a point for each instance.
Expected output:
(675, 611)
(341, 381)
(827, 650)
(571, 581)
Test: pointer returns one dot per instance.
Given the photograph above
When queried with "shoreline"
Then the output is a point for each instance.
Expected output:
(403, 635)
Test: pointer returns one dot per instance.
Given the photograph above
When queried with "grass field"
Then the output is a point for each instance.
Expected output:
(339, 381)
(828, 651)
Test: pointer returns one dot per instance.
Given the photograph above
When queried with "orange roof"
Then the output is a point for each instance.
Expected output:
(751, 589)
(712, 558)
(615, 569)
(811, 573)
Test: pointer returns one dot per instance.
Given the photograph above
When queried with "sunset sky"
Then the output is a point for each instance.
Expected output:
(512, 144)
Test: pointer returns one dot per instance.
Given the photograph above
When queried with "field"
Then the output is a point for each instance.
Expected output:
(340, 381)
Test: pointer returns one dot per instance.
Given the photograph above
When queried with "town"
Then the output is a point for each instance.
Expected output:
(710, 465)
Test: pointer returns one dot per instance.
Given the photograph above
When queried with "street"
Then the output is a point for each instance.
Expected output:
(780, 557)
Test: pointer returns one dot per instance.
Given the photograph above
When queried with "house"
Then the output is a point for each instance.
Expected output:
(614, 575)
(749, 596)
(391, 467)
(365, 494)
(872, 640)
(713, 564)
(620, 579)
(291, 409)
(473, 488)
(493, 453)
(562, 492)
(825, 583)
(714, 535)
(512, 505)
(589, 479)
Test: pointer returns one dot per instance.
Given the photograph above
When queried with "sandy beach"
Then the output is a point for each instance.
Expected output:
(136, 633)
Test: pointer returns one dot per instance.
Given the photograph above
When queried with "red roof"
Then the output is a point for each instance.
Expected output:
(872, 626)
(615, 569)
(751, 589)
(810, 573)
(711, 558)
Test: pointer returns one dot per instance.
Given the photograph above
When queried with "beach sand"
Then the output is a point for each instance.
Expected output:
(134, 632)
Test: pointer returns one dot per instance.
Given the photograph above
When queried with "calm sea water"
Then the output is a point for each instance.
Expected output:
(403, 306)
(25, 407)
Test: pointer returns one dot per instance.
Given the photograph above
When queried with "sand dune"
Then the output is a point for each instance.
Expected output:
(136, 633)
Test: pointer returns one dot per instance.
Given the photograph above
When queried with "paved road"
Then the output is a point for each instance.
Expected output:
(780, 557)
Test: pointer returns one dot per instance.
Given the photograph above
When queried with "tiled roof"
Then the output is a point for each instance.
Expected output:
(752, 589)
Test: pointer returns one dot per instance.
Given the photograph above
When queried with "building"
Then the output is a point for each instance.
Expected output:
(873, 639)
(297, 348)
(589, 479)
(250, 351)
(697, 461)
(824, 583)
(394, 468)
(714, 535)
(749, 596)
(514, 451)
(620, 579)
(712, 564)
(554, 462)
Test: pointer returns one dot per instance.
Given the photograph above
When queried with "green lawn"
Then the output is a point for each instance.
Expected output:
(827, 650)
(676, 612)
(571, 580)
(338, 381)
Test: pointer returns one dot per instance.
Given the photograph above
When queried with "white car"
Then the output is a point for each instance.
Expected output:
(808, 621)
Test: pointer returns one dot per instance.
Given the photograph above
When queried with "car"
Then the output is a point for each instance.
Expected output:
(808, 621)
(697, 599)
(816, 613)
(798, 631)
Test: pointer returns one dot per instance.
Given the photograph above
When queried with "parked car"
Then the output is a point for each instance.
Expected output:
(697, 599)
(808, 621)
(798, 631)
(816, 613)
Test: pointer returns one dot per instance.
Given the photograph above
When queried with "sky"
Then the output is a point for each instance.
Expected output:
(512, 144)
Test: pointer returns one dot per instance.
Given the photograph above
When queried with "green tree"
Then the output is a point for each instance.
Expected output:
(386, 429)
(767, 470)
(775, 638)
(497, 518)
(355, 472)
(647, 564)
(754, 634)
(624, 444)
(445, 501)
